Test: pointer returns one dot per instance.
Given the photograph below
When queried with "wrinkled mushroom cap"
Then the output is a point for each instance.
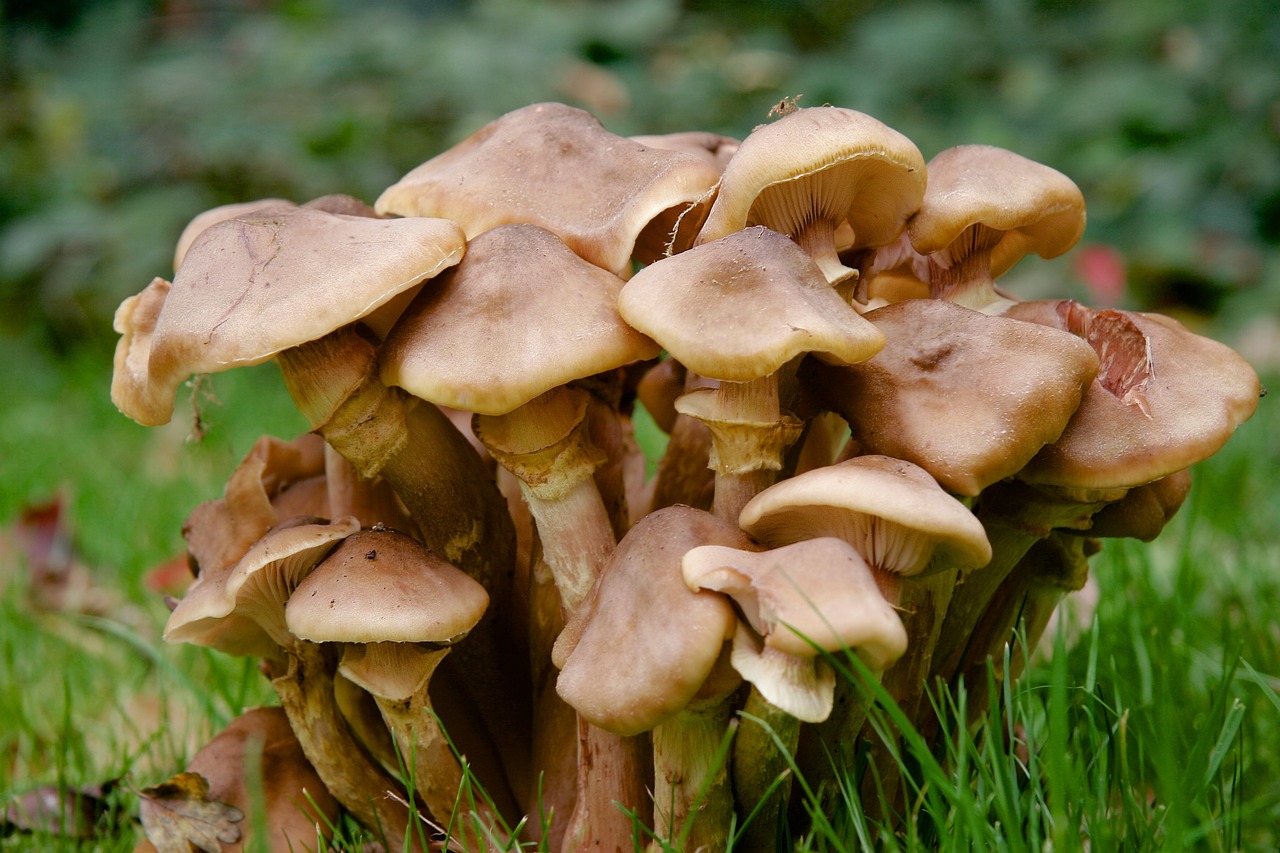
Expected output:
(645, 643)
(521, 315)
(1037, 208)
(891, 511)
(263, 282)
(1164, 399)
(830, 162)
(206, 219)
(741, 307)
(555, 166)
(968, 397)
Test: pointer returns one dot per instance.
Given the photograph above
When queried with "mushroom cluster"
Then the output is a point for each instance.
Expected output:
(486, 621)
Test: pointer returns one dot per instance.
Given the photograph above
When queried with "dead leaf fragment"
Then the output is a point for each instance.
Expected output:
(178, 816)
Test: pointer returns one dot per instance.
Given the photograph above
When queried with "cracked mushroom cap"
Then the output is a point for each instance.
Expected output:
(645, 643)
(1164, 399)
(1015, 205)
(821, 163)
(741, 307)
(891, 511)
(969, 397)
(389, 598)
(263, 282)
(521, 315)
(555, 166)
(204, 220)
(800, 599)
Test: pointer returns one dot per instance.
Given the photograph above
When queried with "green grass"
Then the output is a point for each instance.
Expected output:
(1158, 730)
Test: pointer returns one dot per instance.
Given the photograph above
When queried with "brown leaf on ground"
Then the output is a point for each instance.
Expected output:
(57, 580)
(67, 812)
(177, 816)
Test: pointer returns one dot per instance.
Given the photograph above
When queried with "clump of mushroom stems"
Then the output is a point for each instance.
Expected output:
(438, 480)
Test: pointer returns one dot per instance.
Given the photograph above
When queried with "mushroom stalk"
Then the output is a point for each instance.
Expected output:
(365, 790)
(760, 756)
(458, 509)
(692, 789)
(817, 237)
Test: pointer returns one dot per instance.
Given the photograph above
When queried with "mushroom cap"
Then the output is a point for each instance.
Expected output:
(712, 147)
(263, 282)
(201, 222)
(645, 643)
(1164, 399)
(826, 162)
(296, 804)
(384, 586)
(555, 166)
(1038, 208)
(891, 511)
(521, 315)
(741, 307)
(221, 611)
(809, 596)
(969, 397)
(1144, 510)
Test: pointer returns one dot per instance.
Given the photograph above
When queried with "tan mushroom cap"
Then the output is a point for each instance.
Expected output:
(254, 590)
(1037, 208)
(555, 166)
(715, 148)
(891, 511)
(263, 282)
(384, 586)
(201, 222)
(1164, 399)
(521, 315)
(821, 163)
(645, 643)
(968, 397)
(741, 307)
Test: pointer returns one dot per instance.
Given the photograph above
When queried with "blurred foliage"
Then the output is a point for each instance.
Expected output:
(121, 120)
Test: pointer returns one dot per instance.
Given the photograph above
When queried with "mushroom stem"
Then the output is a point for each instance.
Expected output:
(692, 790)
(443, 482)
(372, 797)
(612, 770)
(817, 237)
(761, 751)
(961, 273)
(750, 435)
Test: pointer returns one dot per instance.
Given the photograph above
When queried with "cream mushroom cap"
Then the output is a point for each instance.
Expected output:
(262, 282)
(1035, 207)
(520, 316)
(555, 166)
(741, 307)
(891, 511)
(645, 643)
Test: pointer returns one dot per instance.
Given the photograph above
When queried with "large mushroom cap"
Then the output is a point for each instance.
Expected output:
(1164, 399)
(555, 166)
(645, 643)
(1028, 207)
(741, 307)
(968, 397)
(263, 282)
(522, 315)
(891, 511)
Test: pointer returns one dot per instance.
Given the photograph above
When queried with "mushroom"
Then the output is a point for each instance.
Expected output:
(738, 310)
(984, 209)
(555, 166)
(798, 601)
(397, 609)
(813, 171)
(644, 655)
(257, 754)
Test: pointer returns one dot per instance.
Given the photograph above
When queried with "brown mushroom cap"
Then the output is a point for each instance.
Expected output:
(263, 282)
(891, 511)
(555, 166)
(968, 397)
(645, 643)
(712, 147)
(521, 315)
(201, 222)
(1034, 208)
(1164, 399)
(820, 163)
(741, 307)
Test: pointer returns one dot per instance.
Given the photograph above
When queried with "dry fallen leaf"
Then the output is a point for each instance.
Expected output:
(177, 816)
(62, 811)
